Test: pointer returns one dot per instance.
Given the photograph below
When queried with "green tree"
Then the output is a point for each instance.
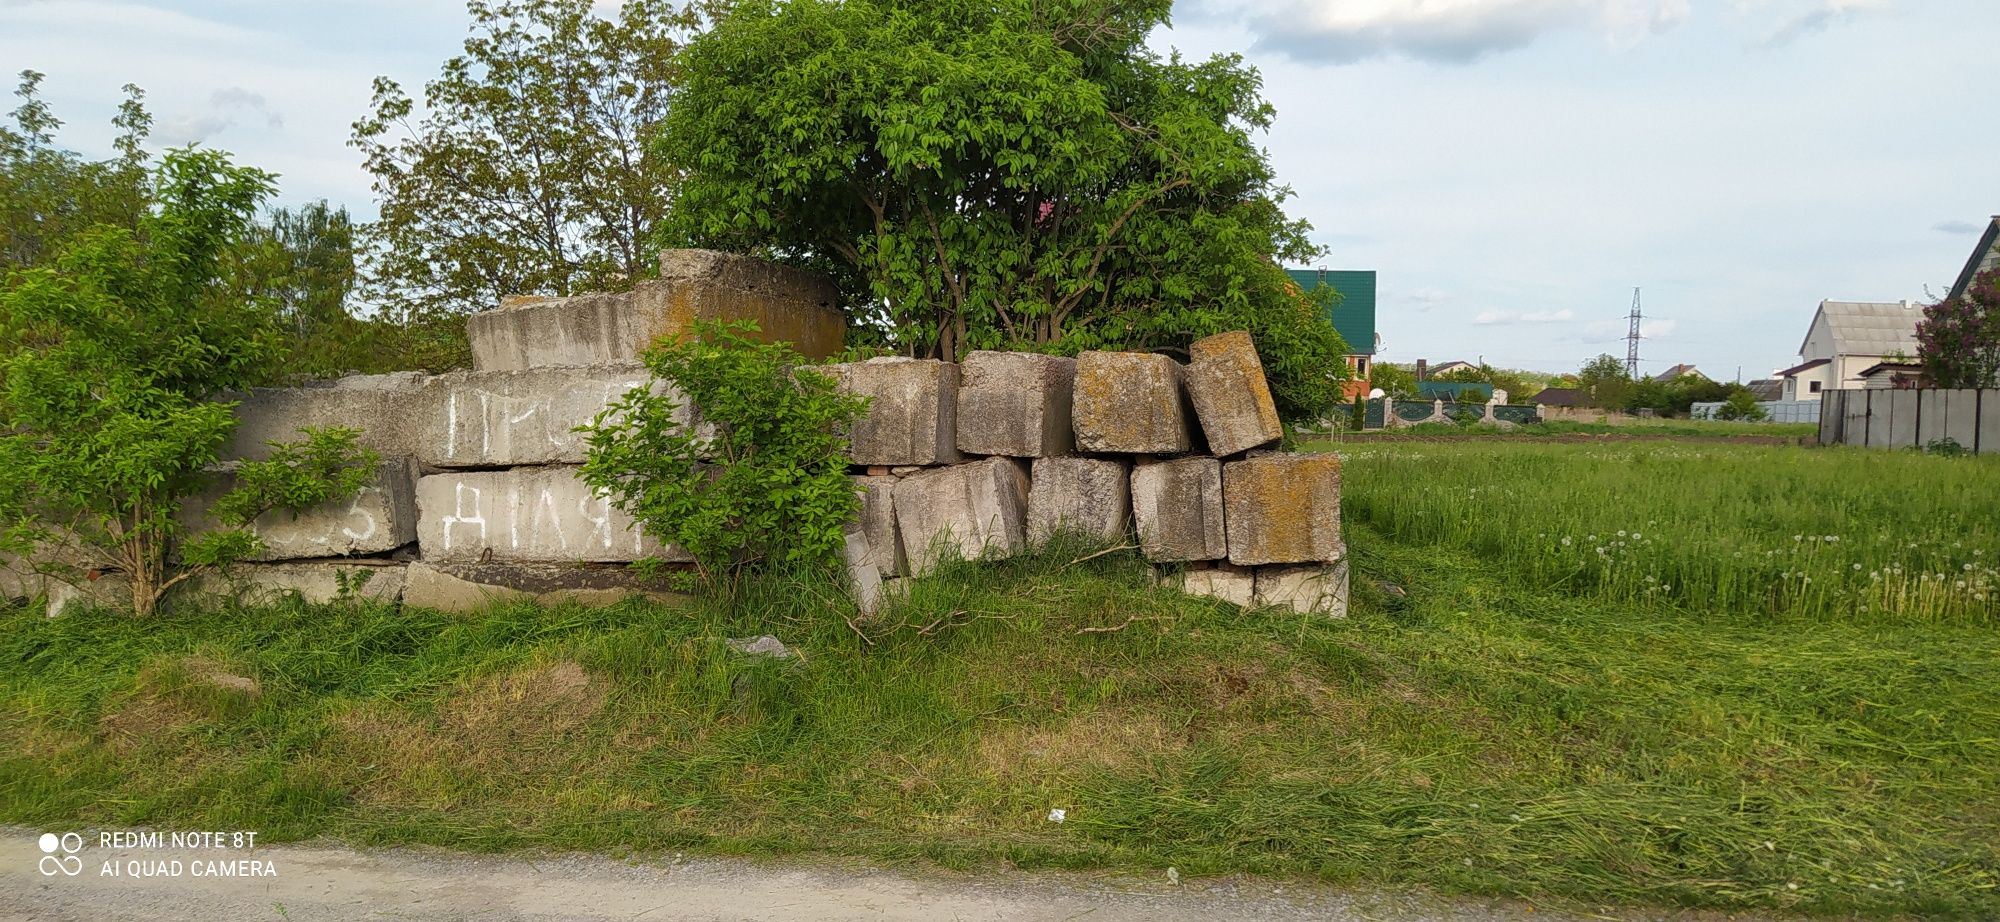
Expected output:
(763, 482)
(49, 194)
(1605, 383)
(1398, 381)
(1959, 338)
(1009, 174)
(530, 170)
(1743, 405)
(107, 418)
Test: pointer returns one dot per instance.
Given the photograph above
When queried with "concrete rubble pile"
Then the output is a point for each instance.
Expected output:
(477, 499)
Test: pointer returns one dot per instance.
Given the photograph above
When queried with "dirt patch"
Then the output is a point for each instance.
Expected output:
(1108, 739)
(169, 697)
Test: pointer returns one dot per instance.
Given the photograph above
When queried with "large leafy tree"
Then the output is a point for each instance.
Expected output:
(1001, 174)
(1604, 380)
(107, 410)
(527, 170)
(48, 193)
(1958, 340)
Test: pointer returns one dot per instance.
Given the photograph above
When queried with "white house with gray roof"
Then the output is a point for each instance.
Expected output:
(1847, 338)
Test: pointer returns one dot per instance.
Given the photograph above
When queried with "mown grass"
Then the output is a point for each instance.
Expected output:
(1651, 428)
(1460, 731)
(1766, 532)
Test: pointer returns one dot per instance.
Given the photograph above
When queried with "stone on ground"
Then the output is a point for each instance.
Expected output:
(788, 305)
(1178, 508)
(1316, 588)
(910, 418)
(1283, 508)
(1235, 585)
(1225, 382)
(1015, 404)
(1129, 402)
(973, 511)
(533, 514)
(1090, 496)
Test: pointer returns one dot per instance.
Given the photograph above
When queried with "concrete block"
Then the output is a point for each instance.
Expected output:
(513, 418)
(1961, 419)
(1178, 508)
(1092, 496)
(1225, 382)
(1902, 417)
(473, 587)
(315, 581)
(531, 514)
(1015, 404)
(1989, 422)
(380, 518)
(878, 522)
(1283, 508)
(911, 411)
(1316, 589)
(977, 510)
(388, 410)
(788, 305)
(1235, 585)
(864, 578)
(1130, 402)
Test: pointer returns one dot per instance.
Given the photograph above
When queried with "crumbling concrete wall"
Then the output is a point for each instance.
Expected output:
(478, 499)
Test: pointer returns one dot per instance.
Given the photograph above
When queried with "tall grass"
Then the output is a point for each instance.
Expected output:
(1772, 531)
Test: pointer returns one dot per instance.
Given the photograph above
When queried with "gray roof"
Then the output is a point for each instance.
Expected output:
(1767, 388)
(1871, 327)
(1984, 256)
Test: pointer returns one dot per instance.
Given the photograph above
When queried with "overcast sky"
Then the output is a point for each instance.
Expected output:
(1512, 168)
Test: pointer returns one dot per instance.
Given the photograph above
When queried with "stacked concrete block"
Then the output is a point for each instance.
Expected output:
(486, 419)
(1178, 507)
(1225, 382)
(972, 511)
(387, 411)
(1235, 585)
(912, 406)
(1283, 508)
(380, 518)
(1130, 403)
(1015, 404)
(1314, 589)
(787, 305)
(878, 524)
(314, 581)
(462, 587)
(528, 514)
(1090, 496)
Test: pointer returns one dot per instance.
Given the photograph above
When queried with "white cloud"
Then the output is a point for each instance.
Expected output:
(1824, 15)
(1957, 227)
(1448, 31)
(1494, 318)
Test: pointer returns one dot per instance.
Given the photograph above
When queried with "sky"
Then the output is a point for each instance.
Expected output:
(1512, 169)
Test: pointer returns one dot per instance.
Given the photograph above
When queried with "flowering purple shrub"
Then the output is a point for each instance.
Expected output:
(1959, 338)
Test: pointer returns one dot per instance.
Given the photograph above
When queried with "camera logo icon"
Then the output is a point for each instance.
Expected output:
(59, 854)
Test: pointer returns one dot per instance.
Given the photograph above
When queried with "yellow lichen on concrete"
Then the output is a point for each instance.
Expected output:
(1283, 509)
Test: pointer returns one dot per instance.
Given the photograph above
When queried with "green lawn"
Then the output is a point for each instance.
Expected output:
(1479, 725)
(1646, 428)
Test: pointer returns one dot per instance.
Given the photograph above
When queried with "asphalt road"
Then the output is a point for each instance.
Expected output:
(332, 882)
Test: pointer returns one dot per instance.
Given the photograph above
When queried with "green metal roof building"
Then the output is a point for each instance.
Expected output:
(1353, 313)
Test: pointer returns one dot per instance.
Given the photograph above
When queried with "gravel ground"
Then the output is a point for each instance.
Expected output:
(333, 882)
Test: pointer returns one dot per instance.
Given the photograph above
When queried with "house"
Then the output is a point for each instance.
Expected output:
(1677, 371)
(1985, 256)
(1353, 314)
(1567, 403)
(1893, 376)
(1766, 389)
(1432, 371)
(1846, 338)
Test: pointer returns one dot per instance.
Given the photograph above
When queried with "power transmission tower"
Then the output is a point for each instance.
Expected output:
(1632, 340)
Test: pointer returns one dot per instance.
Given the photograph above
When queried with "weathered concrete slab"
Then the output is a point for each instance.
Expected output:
(1091, 496)
(473, 587)
(1130, 402)
(1902, 417)
(1854, 422)
(380, 518)
(1015, 404)
(1283, 508)
(878, 523)
(1178, 508)
(864, 578)
(388, 410)
(1989, 421)
(1225, 382)
(1961, 418)
(976, 510)
(788, 305)
(1315, 589)
(315, 581)
(911, 418)
(1235, 585)
(533, 514)
(514, 418)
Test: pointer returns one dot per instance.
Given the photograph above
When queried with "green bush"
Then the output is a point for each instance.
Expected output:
(767, 487)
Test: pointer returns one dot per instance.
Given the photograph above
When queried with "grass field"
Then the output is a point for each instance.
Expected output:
(1483, 723)
(1631, 428)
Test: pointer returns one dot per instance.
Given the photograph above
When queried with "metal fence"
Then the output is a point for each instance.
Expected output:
(1775, 411)
(1911, 418)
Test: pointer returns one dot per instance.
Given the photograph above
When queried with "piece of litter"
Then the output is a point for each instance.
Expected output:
(1174, 876)
(1056, 815)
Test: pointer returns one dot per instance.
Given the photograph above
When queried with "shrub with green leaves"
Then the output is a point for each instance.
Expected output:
(761, 482)
(108, 416)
